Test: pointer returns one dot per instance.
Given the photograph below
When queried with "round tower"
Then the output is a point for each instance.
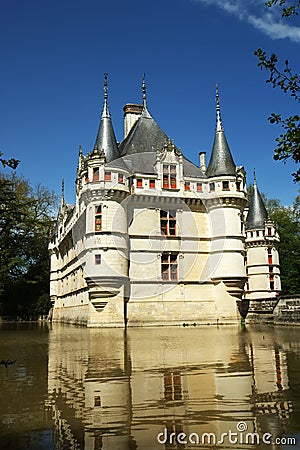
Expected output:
(226, 202)
(262, 260)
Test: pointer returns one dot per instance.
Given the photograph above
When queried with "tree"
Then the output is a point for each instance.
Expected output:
(26, 218)
(12, 162)
(288, 143)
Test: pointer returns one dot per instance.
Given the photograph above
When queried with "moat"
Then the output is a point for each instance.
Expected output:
(157, 388)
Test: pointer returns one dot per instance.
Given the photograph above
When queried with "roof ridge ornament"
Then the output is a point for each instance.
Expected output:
(144, 92)
(219, 125)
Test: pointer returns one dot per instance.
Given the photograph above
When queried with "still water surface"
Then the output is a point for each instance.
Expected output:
(91, 389)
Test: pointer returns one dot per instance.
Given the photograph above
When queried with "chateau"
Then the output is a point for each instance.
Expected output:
(154, 239)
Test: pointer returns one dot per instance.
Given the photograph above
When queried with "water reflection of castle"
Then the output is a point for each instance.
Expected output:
(114, 390)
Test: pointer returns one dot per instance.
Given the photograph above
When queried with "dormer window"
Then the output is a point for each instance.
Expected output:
(169, 176)
(96, 174)
(225, 185)
(269, 231)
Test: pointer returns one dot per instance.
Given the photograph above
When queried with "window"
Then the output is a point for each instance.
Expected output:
(96, 174)
(269, 231)
(97, 401)
(225, 185)
(139, 182)
(271, 268)
(238, 185)
(270, 258)
(152, 184)
(251, 233)
(86, 179)
(199, 187)
(212, 187)
(169, 176)
(120, 178)
(97, 260)
(257, 233)
(187, 186)
(272, 283)
(169, 267)
(173, 385)
(98, 219)
(168, 223)
(107, 176)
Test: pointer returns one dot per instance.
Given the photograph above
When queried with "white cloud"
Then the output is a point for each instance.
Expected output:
(268, 21)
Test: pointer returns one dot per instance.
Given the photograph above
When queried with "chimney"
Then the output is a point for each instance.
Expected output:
(132, 112)
(202, 161)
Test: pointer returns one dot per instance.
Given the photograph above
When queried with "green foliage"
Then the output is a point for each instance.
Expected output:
(288, 143)
(26, 218)
(289, 11)
(287, 219)
(12, 162)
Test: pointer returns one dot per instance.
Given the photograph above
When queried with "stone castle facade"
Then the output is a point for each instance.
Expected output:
(153, 239)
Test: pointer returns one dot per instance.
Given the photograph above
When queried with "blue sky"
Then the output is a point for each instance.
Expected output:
(54, 55)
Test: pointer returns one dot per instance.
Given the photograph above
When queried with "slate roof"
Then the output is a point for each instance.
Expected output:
(144, 163)
(221, 161)
(257, 214)
(144, 136)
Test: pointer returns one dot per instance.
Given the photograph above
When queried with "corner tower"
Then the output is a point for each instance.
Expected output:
(225, 205)
(262, 260)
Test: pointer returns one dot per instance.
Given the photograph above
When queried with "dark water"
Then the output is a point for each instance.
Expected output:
(163, 388)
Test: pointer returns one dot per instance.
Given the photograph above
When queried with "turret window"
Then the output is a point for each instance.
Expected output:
(270, 258)
(225, 185)
(139, 182)
(97, 260)
(96, 174)
(187, 186)
(238, 185)
(169, 267)
(169, 176)
(212, 187)
(168, 223)
(107, 176)
(199, 187)
(152, 184)
(120, 178)
(98, 219)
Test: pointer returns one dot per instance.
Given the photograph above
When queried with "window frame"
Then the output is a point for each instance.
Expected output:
(98, 219)
(169, 266)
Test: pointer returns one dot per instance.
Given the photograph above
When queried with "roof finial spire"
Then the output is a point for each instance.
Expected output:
(254, 177)
(105, 112)
(219, 125)
(144, 92)
(105, 87)
(62, 192)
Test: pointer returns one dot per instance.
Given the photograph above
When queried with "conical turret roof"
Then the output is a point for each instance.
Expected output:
(221, 161)
(257, 214)
(106, 139)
